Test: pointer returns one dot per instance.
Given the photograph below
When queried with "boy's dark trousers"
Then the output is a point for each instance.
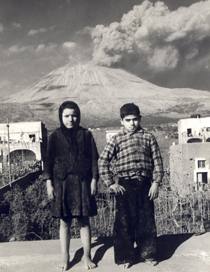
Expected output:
(134, 222)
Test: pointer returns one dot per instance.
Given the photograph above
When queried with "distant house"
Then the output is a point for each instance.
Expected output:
(110, 133)
(190, 158)
(24, 139)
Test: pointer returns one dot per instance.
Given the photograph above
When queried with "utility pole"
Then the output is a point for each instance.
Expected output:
(10, 180)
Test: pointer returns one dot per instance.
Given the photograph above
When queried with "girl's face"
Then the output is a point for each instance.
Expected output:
(69, 118)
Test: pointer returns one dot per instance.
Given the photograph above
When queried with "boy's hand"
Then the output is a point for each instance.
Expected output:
(50, 189)
(118, 189)
(93, 187)
(153, 191)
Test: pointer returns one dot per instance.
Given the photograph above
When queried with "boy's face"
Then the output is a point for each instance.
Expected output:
(131, 122)
(69, 118)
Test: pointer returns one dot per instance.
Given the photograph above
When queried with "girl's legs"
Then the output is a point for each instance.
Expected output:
(65, 241)
(86, 241)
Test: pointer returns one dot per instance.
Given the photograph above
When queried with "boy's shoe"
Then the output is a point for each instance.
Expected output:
(151, 262)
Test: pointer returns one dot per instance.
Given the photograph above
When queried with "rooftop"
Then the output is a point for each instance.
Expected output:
(180, 252)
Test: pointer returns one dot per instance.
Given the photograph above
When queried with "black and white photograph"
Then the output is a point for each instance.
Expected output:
(104, 135)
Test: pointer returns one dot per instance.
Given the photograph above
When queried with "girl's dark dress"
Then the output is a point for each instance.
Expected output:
(71, 163)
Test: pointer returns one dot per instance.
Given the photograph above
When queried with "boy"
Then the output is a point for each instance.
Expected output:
(134, 156)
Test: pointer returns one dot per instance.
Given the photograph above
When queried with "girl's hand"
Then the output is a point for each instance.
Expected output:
(93, 186)
(50, 189)
(118, 189)
(153, 191)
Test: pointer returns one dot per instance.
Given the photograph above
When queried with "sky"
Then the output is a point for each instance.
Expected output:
(164, 42)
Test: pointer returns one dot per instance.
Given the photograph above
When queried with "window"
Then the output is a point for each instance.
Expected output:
(32, 137)
(201, 163)
(202, 177)
(189, 132)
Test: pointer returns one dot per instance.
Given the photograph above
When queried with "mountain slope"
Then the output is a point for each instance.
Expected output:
(101, 91)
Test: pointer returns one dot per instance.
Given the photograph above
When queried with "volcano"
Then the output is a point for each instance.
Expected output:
(100, 92)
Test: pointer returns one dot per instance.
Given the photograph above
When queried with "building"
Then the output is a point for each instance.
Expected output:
(25, 140)
(110, 133)
(194, 130)
(190, 158)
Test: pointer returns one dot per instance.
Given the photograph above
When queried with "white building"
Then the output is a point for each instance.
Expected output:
(29, 138)
(190, 158)
(193, 130)
(110, 133)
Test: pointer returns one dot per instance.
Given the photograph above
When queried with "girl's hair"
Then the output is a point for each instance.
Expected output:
(69, 105)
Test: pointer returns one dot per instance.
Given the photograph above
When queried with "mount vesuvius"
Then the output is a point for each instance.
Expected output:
(100, 92)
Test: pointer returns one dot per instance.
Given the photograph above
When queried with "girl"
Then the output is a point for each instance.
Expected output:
(71, 175)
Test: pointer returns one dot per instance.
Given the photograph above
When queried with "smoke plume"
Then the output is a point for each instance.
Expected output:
(153, 38)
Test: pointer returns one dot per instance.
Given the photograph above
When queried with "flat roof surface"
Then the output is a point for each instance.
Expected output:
(177, 253)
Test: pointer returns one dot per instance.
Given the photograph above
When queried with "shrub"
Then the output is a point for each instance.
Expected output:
(177, 214)
(29, 215)
(19, 170)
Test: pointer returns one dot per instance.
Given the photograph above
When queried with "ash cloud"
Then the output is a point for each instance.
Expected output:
(151, 39)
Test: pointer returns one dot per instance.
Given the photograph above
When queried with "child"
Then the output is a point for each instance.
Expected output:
(134, 156)
(71, 174)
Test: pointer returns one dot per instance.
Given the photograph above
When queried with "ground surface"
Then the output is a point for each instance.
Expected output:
(177, 253)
